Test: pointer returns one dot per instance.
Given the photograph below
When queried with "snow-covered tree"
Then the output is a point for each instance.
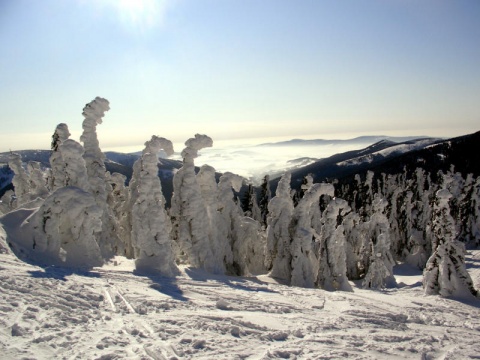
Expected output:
(118, 203)
(36, 180)
(357, 246)
(66, 228)
(332, 257)
(151, 226)
(230, 215)
(249, 247)
(445, 273)
(250, 205)
(190, 230)
(469, 212)
(219, 244)
(280, 211)
(265, 196)
(29, 184)
(380, 271)
(304, 262)
(20, 180)
(56, 178)
(74, 168)
(93, 113)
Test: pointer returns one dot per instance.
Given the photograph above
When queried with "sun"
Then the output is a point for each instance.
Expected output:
(140, 14)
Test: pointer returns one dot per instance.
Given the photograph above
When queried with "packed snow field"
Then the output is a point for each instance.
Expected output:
(111, 313)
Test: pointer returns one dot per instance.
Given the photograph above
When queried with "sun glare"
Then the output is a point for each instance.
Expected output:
(141, 14)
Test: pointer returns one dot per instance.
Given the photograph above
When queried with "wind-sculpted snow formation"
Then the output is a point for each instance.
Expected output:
(322, 236)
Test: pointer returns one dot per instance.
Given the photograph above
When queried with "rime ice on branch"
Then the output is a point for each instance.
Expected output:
(151, 226)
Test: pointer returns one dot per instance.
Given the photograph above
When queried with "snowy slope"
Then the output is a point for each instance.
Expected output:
(398, 149)
(110, 313)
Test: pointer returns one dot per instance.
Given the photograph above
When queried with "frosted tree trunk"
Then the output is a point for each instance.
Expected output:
(445, 273)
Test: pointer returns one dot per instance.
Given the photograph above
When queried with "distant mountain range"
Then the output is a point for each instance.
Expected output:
(390, 157)
(358, 140)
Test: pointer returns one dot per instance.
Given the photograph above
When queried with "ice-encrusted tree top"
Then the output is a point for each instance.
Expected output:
(194, 145)
(95, 110)
(60, 135)
(94, 158)
(156, 144)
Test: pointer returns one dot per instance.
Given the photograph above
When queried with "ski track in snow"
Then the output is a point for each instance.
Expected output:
(111, 313)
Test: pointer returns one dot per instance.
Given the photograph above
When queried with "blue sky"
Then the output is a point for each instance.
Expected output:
(239, 69)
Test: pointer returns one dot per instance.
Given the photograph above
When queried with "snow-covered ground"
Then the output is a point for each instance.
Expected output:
(112, 313)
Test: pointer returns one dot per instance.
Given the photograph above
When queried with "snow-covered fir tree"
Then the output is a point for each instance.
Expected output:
(265, 196)
(445, 273)
(304, 262)
(20, 180)
(93, 113)
(380, 270)
(66, 228)
(56, 178)
(332, 274)
(278, 255)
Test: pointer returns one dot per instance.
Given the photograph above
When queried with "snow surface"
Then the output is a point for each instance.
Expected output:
(396, 149)
(112, 313)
